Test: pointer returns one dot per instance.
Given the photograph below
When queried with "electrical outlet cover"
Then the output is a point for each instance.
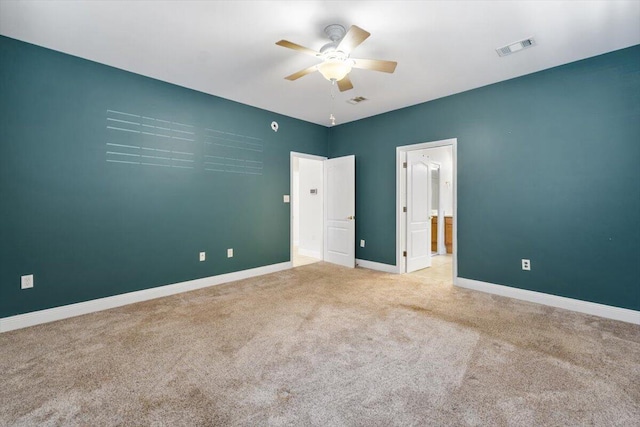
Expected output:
(229, 253)
(203, 256)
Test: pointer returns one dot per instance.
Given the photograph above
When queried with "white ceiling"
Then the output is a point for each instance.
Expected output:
(227, 48)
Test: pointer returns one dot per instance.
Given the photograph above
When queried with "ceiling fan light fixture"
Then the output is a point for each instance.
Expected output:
(334, 69)
(336, 56)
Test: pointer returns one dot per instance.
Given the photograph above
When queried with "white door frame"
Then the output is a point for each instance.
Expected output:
(401, 189)
(293, 155)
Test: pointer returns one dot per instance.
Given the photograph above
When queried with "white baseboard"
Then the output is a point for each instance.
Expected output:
(607, 311)
(378, 266)
(77, 309)
(309, 253)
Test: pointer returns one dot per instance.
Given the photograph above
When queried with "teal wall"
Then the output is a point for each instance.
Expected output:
(88, 228)
(548, 169)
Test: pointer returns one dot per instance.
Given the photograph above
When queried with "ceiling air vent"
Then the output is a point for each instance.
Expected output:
(515, 47)
(356, 100)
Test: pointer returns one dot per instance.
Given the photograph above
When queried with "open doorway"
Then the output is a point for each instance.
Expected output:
(307, 200)
(441, 196)
(426, 206)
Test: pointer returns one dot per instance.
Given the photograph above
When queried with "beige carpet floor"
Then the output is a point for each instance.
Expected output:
(322, 345)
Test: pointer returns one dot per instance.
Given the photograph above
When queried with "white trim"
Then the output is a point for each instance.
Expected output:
(310, 253)
(77, 309)
(401, 156)
(378, 266)
(607, 311)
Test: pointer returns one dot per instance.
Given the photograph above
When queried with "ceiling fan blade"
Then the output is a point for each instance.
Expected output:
(375, 64)
(345, 84)
(354, 37)
(302, 73)
(294, 46)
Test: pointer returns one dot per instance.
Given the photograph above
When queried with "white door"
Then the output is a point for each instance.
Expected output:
(418, 211)
(339, 211)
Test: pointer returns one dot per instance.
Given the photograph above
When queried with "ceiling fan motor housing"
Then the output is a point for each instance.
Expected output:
(335, 32)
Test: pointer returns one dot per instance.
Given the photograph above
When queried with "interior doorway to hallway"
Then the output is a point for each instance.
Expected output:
(426, 200)
(307, 200)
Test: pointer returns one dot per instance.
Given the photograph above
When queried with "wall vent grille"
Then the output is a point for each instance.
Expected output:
(356, 100)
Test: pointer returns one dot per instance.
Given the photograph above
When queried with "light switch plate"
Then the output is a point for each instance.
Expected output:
(285, 198)
(26, 282)
(362, 243)
(230, 253)
(203, 256)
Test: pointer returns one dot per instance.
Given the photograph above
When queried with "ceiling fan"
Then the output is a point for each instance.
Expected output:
(336, 56)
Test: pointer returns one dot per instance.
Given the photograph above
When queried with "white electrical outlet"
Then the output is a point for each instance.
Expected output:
(285, 198)
(362, 243)
(203, 256)
(230, 253)
(26, 282)
(526, 264)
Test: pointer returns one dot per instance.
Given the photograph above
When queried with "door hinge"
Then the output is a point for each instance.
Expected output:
(404, 165)
(404, 253)
(404, 209)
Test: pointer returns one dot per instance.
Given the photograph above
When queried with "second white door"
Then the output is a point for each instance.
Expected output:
(418, 211)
